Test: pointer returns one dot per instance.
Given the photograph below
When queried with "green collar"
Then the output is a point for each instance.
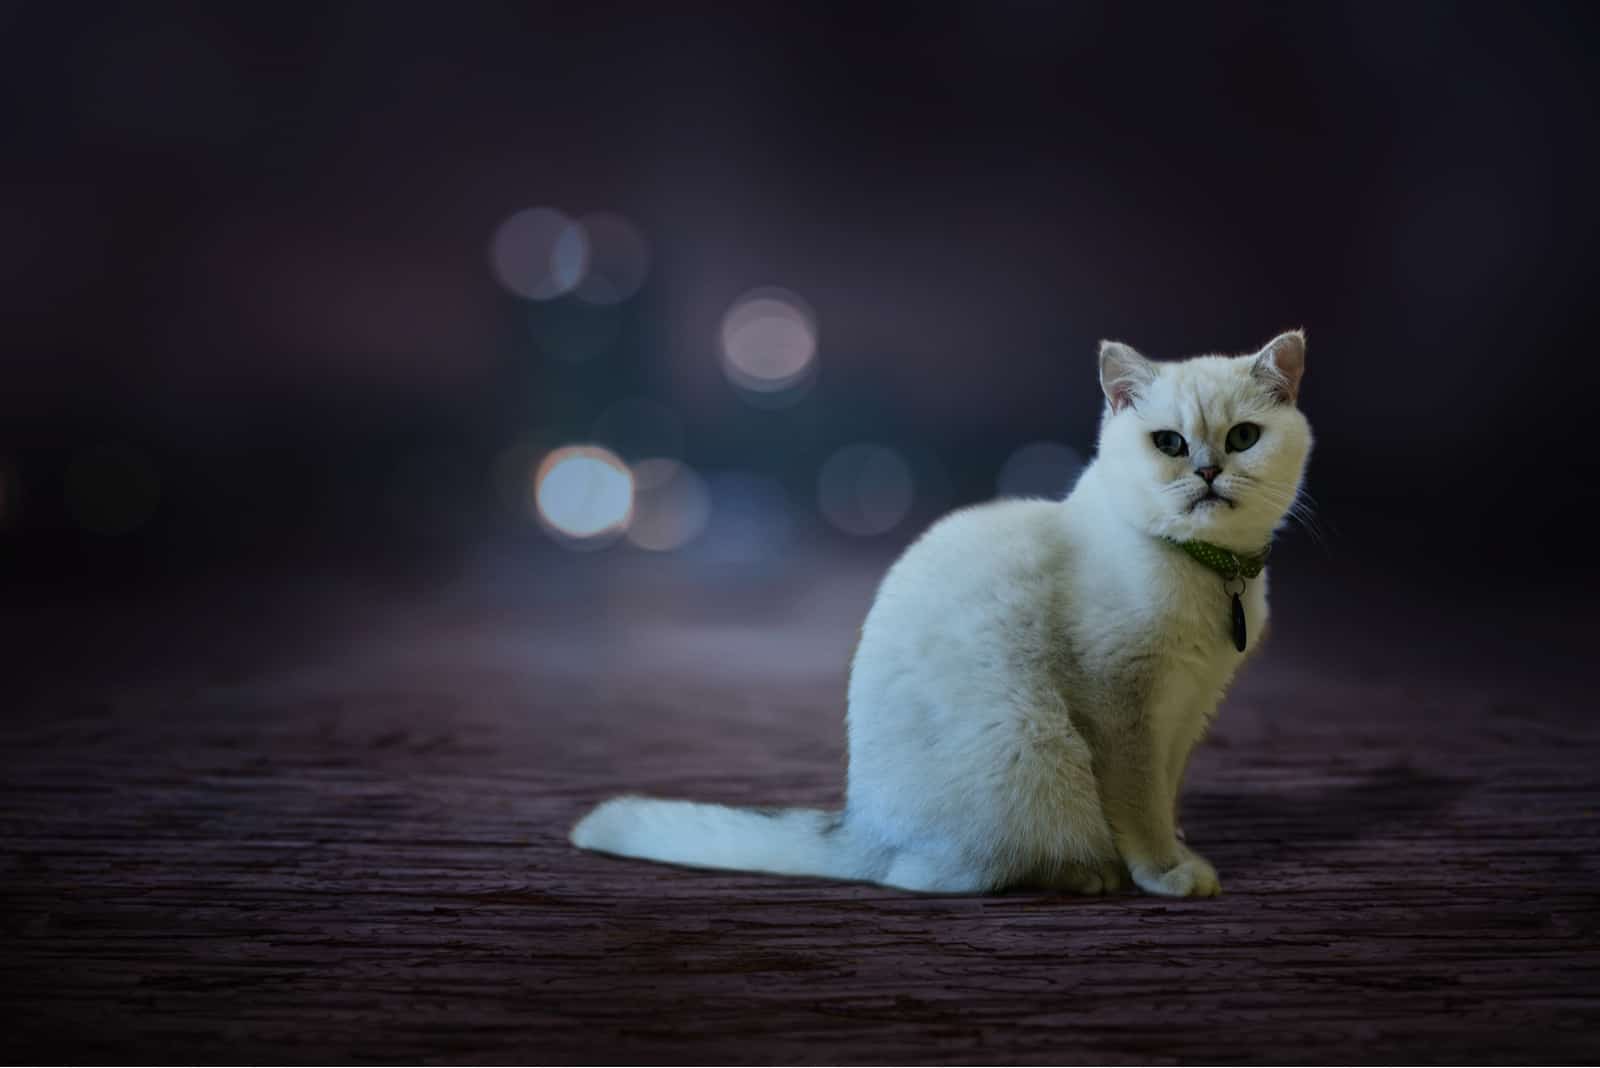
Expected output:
(1225, 562)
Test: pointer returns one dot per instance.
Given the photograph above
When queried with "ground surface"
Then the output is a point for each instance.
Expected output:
(325, 820)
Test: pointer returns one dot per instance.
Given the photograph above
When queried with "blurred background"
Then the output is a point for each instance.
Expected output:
(419, 421)
(707, 288)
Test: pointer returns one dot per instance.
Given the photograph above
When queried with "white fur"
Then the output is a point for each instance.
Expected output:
(1033, 674)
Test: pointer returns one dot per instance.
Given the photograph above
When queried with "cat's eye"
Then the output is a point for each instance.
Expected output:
(1171, 442)
(1242, 436)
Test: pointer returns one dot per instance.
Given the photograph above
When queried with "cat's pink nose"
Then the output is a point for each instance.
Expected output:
(1208, 473)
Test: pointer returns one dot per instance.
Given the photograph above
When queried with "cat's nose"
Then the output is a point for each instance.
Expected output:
(1208, 473)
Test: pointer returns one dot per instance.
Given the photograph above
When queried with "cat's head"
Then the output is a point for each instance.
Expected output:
(1211, 448)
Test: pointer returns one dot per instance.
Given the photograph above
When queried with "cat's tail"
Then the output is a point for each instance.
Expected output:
(783, 841)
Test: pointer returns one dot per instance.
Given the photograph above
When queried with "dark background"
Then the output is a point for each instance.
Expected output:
(248, 248)
(298, 700)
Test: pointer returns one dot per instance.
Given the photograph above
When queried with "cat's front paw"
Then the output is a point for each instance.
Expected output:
(1193, 876)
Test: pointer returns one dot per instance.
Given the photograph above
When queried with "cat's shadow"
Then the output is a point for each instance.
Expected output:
(1287, 824)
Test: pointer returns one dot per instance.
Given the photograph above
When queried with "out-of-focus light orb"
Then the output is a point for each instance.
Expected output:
(1042, 469)
(865, 489)
(583, 494)
(769, 344)
(619, 259)
(636, 428)
(112, 490)
(539, 254)
(671, 505)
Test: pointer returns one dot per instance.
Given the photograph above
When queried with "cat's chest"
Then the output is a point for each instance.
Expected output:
(1199, 621)
(1165, 627)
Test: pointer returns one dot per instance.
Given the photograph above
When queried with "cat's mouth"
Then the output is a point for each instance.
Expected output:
(1210, 499)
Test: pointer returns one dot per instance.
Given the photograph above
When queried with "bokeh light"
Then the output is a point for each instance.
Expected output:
(769, 345)
(636, 428)
(865, 489)
(1042, 469)
(671, 505)
(539, 254)
(513, 471)
(619, 259)
(112, 490)
(583, 494)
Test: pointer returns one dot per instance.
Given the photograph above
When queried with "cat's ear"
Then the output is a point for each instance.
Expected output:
(1281, 364)
(1123, 374)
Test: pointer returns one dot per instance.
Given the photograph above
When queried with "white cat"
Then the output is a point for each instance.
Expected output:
(1033, 674)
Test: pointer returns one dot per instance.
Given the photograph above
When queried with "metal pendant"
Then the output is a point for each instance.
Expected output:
(1238, 623)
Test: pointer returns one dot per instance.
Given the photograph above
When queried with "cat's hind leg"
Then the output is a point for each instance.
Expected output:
(1076, 877)
(935, 872)
(1056, 823)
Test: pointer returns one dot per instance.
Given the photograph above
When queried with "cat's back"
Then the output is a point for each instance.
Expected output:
(976, 576)
(952, 668)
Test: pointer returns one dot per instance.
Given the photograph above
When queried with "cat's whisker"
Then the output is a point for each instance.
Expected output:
(1292, 499)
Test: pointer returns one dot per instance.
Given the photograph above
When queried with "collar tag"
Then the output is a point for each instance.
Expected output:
(1234, 568)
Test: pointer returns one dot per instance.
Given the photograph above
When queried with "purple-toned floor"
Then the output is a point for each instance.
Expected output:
(324, 819)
